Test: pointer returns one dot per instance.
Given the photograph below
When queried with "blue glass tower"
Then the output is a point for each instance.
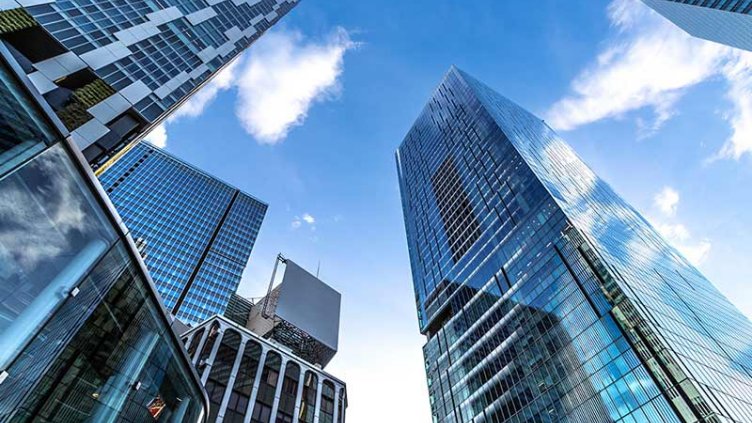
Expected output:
(111, 70)
(197, 232)
(727, 22)
(543, 295)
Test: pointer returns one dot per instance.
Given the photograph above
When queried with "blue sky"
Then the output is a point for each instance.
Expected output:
(309, 119)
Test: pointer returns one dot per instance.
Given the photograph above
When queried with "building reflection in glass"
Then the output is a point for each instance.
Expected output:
(83, 336)
(565, 304)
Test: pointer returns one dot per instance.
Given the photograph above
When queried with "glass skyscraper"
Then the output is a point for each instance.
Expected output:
(113, 69)
(723, 21)
(83, 336)
(543, 295)
(197, 231)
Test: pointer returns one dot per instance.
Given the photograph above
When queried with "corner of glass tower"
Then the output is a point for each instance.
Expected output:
(542, 292)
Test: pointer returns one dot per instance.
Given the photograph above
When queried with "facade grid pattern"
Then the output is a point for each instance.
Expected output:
(552, 313)
(198, 231)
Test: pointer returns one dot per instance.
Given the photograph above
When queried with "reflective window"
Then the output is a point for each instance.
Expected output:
(243, 387)
(208, 346)
(267, 388)
(221, 367)
(308, 404)
(197, 336)
(289, 393)
(119, 366)
(326, 415)
(23, 130)
(51, 234)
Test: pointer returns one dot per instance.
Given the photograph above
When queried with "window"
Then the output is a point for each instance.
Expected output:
(23, 131)
(122, 342)
(52, 233)
(261, 414)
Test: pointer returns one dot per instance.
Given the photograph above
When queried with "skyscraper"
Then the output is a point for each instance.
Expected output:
(197, 231)
(543, 295)
(112, 70)
(270, 370)
(726, 22)
(83, 336)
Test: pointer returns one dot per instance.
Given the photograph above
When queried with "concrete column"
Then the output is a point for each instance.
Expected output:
(201, 343)
(299, 395)
(318, 400)
(212, 355)
(231, 380)
(337, 390)
(278, 391)
(256, 382)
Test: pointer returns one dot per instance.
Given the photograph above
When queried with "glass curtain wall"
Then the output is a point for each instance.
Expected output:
(119, 366)
(82, 334)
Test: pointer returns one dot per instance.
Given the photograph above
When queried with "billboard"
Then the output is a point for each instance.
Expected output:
(309, 304)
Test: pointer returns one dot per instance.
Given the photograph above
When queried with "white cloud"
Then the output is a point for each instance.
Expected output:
(284, 76)
(196, 104)
(277, 82)
(677, 234)
(309, 219)
(696, 251)
(667, 201)
(650, 63)
(740, 94)
(222, 81)
(158, 136)
(306, 218)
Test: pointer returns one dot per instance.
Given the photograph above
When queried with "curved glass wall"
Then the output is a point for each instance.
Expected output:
(243, 386)
(262, 410)
(23, 130)
(221, 367)
(308, 403)
(119, 366)
(52, 232)
(289, 393)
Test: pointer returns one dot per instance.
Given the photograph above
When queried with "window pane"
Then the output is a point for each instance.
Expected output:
(23, 132)
(51, 234)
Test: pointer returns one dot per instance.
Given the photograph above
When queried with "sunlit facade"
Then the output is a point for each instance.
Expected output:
(543, 295)
(257, 380)
(83, 336)
(727, 22)
(198, 232)
(111, 70)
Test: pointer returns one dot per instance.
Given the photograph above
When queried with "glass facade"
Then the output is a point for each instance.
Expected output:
(723, 21)
(113, 69)
(544, 296)
(239, 309)
(197, 231)
(83, 335)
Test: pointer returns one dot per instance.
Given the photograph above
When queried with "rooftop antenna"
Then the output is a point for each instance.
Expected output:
(318, 268)
(264, 311)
